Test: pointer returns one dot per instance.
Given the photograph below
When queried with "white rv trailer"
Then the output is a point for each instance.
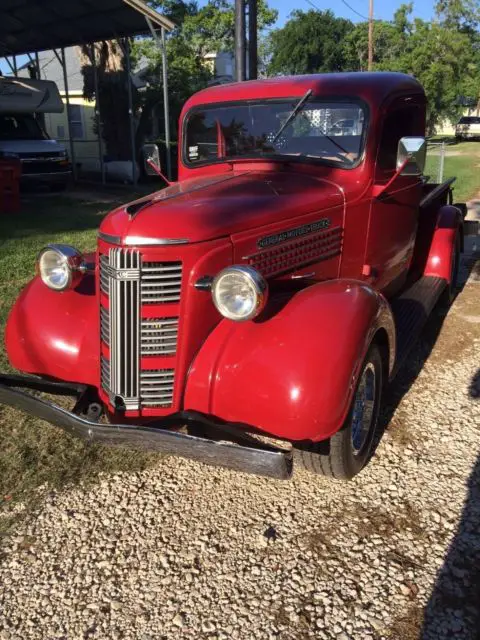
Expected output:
(22, 135)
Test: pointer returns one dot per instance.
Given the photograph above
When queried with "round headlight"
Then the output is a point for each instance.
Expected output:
(239, 293)
(60, 266)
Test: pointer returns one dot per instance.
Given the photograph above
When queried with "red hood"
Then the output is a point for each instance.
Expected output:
(216, 206)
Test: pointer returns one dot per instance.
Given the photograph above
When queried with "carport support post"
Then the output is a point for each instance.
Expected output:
(161, 45)
(165, 106)
(126, 51)
(97, 110)
(67, 100)
(442, 163)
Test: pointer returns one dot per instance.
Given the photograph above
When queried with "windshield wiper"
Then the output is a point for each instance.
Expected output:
(295, 111)
(339, 146)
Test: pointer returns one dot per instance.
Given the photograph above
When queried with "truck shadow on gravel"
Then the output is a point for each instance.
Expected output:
(453, 610)
(474, 389)
(406, 377)
(414, 364)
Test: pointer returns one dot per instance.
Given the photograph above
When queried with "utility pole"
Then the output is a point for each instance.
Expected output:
(370, 35)
(240, 40)
(252, 40)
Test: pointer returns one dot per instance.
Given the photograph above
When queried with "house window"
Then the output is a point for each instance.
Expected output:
(76, 122)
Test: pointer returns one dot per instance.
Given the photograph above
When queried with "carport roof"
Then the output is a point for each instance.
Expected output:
(27, 26)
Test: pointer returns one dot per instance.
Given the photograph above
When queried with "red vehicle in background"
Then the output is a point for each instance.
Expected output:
(271, 294)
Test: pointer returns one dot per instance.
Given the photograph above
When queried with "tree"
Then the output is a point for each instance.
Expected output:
(198, 31)
(309, 42)
(442, 56)
(389, 40)
(112, 96)
(463, 15)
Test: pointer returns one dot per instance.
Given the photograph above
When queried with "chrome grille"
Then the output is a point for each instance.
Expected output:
(105, 325)
(127, 284)
(157, 387)
(105, 373)
(159, 336)
(161, 282)
(104, 274)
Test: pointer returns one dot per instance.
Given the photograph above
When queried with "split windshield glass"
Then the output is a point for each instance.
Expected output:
(331, 132)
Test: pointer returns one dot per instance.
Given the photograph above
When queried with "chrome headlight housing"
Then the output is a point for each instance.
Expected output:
(60, 266)
(239, 292)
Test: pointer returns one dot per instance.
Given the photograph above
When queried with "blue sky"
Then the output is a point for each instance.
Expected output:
(383, 9)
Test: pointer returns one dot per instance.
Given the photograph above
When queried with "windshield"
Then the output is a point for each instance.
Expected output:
(20, 127)
(331, 132)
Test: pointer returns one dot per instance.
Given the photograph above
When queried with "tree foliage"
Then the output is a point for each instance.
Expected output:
(198, 31)
(310, 42)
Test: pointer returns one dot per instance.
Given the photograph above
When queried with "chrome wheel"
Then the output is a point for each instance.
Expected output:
(363, 408)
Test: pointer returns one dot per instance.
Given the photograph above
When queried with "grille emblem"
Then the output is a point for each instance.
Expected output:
(121, 274)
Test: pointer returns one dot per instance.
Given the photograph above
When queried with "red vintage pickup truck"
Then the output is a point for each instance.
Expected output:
(253, 313)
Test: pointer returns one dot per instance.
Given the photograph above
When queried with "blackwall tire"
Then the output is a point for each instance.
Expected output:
(347, 452)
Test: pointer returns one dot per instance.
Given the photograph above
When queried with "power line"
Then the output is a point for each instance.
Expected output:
(346, 4)
(354, 10)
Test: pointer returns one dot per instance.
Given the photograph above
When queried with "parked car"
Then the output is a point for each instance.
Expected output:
(468, 128)
(272, 293)
(43, 161)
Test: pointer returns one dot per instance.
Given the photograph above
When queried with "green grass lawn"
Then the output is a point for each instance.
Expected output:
(33, 453)
(461, 160)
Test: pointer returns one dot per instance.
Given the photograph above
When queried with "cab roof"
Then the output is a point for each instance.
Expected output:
(373, 88)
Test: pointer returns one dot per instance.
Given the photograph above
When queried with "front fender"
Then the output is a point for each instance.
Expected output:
(55, 334)
(442, 249)
(293, 373)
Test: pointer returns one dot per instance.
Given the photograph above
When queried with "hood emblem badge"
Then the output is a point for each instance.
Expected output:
(291, 234)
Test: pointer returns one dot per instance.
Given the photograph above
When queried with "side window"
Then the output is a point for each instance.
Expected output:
(398, 123)
(76, 122)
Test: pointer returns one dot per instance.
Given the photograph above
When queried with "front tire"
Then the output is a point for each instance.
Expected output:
(345, 454)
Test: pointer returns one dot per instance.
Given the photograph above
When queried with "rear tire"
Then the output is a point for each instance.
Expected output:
(346, 453)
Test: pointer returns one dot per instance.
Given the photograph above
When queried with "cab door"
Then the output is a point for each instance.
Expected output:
(394, 216)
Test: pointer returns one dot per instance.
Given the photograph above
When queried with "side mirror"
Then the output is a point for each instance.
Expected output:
(411, 155)
(151, 152)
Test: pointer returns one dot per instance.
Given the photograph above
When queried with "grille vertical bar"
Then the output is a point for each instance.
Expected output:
(124, 301)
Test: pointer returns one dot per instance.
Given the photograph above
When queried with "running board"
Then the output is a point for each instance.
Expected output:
(411, 311)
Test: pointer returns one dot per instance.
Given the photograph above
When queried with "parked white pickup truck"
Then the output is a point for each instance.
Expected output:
(468, 128)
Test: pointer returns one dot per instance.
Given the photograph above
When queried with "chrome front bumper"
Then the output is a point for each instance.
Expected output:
(227, 445)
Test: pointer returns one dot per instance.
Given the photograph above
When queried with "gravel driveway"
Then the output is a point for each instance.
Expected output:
(187, 551)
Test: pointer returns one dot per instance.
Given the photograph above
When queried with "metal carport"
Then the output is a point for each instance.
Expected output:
(30, 26)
